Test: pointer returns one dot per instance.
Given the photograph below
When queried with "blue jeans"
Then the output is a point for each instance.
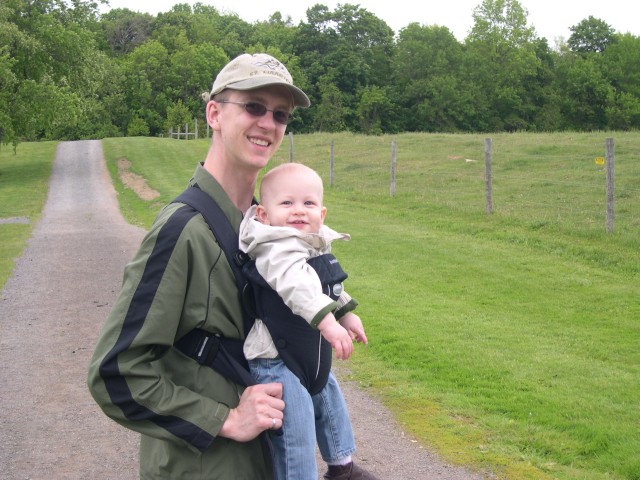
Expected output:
(295, 448)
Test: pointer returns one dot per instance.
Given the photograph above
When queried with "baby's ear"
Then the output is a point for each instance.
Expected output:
(261, 215)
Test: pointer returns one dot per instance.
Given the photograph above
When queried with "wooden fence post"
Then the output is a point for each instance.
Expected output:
(392, 186)
(331, 166)
(290, 147)
(610, 169)
(487, 176)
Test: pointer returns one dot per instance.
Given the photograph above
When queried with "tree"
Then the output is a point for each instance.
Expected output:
(236, 35)
(502, 62)
(620, 66)
(191, 73)
(620, 63)
(137, 127)
(125, 30)
(8, 83)
(350, 48)
(623, 112)
(146, 73)
(51, 53)
(277, 32)
(501, 21)
(206, 26)
(178, 115)
(427, 79)
(585, 92)
(374, 110)
(331, 113)
(542, 90)
(591, 35)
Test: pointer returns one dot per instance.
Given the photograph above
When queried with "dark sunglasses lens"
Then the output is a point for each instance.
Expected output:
(255, 109)
(258, 110)
(281, 116)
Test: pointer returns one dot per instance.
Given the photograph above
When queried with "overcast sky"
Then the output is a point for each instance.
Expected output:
(550, 18)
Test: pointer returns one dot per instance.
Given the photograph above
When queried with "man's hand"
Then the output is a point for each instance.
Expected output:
(259, 406)
(337, 336)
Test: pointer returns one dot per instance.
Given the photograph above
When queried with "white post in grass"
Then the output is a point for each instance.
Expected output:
(610, 169)
(487, 176)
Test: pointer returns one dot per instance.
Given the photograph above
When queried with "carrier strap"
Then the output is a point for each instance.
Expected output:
(224, 355)
(222, 230)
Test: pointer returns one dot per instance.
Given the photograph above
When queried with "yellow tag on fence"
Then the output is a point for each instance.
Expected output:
(599, 160)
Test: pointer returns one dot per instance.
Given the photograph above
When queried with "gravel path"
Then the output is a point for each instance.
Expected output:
(51, 311)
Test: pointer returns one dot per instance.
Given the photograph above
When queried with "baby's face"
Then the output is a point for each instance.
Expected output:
(294, 201)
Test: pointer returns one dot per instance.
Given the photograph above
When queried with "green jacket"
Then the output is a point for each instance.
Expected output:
(178, 280)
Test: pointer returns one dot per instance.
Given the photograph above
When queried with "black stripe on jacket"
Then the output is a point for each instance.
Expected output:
(141, 302)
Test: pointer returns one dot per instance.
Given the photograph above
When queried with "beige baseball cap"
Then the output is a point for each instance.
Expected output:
(251, 71)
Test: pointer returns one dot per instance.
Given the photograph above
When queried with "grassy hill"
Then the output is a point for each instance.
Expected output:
(505, 340)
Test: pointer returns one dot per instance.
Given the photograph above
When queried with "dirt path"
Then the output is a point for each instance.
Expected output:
(50, 313)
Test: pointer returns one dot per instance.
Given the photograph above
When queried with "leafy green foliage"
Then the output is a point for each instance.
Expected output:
(591, 36)
(124, 30)
(101, 73)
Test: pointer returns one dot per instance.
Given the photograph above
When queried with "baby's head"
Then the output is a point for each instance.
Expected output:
(291, 196)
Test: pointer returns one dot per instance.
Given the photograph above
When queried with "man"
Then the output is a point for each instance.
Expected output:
(195, 422)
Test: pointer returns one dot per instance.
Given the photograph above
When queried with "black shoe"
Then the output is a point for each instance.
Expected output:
(350, 471)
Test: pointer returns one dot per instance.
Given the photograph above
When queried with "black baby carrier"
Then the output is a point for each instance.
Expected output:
(300, 346)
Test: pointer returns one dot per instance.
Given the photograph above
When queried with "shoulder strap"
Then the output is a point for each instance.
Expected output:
(220, 226)
(222, 354)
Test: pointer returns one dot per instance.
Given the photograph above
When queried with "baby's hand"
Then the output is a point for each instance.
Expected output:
(353, 324)
(337, 336)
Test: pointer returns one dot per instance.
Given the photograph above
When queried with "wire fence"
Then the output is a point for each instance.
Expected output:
(543, 180)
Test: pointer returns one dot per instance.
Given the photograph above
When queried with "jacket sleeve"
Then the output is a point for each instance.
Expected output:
(345, 304)
(135, 375)
(283, 264)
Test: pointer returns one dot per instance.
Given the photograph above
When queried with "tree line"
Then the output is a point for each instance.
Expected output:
(68, 72)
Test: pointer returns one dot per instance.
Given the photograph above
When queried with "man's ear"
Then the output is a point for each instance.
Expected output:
(261, 215)
(213, 110)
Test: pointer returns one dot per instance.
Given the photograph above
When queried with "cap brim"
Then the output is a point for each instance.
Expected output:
(300, 98)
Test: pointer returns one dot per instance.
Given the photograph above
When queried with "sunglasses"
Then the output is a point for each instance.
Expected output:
(256, 109)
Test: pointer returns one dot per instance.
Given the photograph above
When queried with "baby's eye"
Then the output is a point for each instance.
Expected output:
(286, 202)
(310, 203)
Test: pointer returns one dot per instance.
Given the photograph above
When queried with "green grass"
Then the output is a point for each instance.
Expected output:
(505, 353)
(24, 178)
(166, 165)
(508, 342)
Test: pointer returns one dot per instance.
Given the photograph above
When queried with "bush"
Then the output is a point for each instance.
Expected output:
(137, 128)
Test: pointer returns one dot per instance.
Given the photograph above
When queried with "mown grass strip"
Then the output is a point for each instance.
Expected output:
(24, 177)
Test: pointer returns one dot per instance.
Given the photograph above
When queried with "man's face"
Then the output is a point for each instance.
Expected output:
(250, 140)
